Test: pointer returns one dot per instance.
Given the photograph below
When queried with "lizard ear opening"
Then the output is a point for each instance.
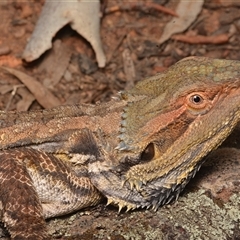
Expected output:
(148, 153)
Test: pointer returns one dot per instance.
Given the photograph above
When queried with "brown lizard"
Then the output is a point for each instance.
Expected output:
(138, 151)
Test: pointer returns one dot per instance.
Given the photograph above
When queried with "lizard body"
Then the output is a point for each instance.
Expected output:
(138, 151)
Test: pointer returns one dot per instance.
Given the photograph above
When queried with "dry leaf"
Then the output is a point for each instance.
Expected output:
(5, 89)
(55, 63)
(199, 39)
(26, 101)
(82, 15)
(187, 12)
(42, 94)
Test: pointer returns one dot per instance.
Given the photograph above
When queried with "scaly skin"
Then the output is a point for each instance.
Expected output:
(178, 117)
(138, 151)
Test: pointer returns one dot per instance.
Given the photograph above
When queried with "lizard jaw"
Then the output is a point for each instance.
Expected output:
(132, 195)
(129, 195)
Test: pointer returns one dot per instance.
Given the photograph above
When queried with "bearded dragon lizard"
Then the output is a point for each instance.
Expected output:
(137, 151)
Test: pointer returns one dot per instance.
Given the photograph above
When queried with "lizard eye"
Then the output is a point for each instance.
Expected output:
(196, 101)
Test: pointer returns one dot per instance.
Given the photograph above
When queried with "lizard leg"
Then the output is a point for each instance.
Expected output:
(35, 185)
(21, 210)
(59, 188)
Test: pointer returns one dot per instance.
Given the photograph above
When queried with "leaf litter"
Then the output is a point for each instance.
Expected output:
(82, 15)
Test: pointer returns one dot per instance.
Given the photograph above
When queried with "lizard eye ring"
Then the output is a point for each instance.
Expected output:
(197, 101)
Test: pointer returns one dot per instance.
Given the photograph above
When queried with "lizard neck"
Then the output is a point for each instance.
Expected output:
(54, 130)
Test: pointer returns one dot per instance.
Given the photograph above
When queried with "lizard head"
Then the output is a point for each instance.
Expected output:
(170, 123)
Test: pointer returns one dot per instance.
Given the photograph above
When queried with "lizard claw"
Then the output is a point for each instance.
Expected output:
(121, 204)
(133, 183)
